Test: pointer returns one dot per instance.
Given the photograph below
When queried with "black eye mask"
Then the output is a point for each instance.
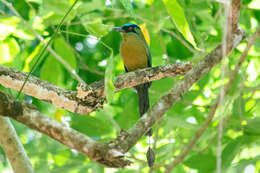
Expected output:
(130, 29)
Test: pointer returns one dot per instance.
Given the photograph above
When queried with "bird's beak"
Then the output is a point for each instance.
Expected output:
(119, 29)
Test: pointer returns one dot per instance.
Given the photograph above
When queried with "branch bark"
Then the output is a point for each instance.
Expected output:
(87, 99)
(28, 115)
(13, 148)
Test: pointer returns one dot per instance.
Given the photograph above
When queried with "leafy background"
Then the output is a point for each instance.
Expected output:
(183, 30)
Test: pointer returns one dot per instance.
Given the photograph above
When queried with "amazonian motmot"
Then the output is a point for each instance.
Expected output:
(135, 53)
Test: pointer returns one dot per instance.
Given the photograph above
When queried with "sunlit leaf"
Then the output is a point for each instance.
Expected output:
(9, 48)
(53, 10)
(13, 46)
(24, 34)
(95, 26)
(255, 4)
(32, 57)
(98, 29)
(58, 114)
(4, 53)
(177, 14)
(90, 6)
(128, 6)
(62, 157)
(5, 31)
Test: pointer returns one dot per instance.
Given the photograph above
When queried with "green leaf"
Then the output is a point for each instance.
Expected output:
(240, 165)
(61, 158)
(97, 168)
(8, 26)
(30, 60)
(9, 48)
(128, 114)
(252, 127)
(5, 56)
(230, 152)
(128, 6)
(51, 71)
(24, 34)
(13, 47)
(94, 125)
(178, 121)
(238, 107)
(177, 15)
(109, 78)
(86, 7)
(53, 11)
(6, 30)
(65, 51)
(201, 161)
(97, 29)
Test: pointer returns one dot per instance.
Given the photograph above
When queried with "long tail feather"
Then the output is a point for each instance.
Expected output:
(144, 104)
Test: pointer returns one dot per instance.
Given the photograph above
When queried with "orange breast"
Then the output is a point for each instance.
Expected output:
(133, 52)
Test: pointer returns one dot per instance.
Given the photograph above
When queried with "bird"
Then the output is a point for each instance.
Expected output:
(136, 54)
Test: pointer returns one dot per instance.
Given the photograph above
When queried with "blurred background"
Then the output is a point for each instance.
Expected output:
(179, 31)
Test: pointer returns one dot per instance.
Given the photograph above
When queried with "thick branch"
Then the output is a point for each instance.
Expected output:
(31, 117)
(85, 100)
(13, 147)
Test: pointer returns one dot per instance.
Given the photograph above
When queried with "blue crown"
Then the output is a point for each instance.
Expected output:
(130, 24)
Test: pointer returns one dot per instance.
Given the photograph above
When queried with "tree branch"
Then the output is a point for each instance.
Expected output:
(28, 115)
(85, 100)
(13, 148)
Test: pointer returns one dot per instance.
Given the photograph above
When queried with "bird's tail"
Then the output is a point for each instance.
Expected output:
(144, 104)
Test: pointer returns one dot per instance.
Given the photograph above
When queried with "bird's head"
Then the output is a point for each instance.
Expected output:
(129, 29)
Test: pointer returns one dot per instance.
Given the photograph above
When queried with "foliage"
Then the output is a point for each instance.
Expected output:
(88, 45)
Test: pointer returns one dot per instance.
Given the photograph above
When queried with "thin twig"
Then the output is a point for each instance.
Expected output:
(226, 33)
